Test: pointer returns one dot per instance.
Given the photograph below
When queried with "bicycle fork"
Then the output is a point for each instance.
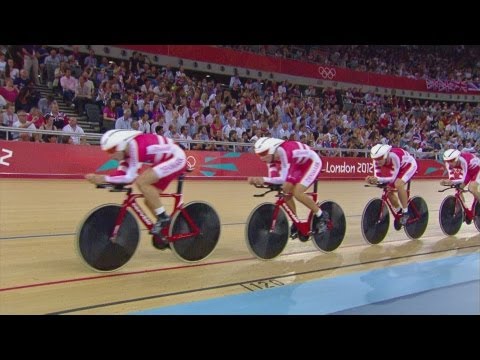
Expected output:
(121, 216)
(274, 218)
(118, 222)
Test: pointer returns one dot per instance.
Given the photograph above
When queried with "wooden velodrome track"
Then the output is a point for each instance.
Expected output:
(40, 272)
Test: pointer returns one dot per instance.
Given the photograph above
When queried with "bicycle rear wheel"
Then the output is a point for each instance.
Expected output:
(262, 242)
(330, 239)
(196, 247)
(476, 218)
(93, 242)
(375, 221)
(417, 208)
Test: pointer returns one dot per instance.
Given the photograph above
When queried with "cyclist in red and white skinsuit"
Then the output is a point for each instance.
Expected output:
(467, 166)
(401, 167)
(133, 149)
(295, 166)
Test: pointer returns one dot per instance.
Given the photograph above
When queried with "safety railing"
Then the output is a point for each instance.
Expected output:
(94, 139)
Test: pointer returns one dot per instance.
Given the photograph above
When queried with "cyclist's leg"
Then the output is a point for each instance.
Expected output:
(149, 206)
(403, 197)
(155, 183)
(403, 178)
(402, 193)
(303, 176)
(299, 194)
(321, 217)
(288, 189)
(473, 186)
(394, 200)
(145, 183)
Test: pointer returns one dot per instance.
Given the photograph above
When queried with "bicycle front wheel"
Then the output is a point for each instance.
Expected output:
(93, 242)
(450, 215)
(262, 242)
(375, 221)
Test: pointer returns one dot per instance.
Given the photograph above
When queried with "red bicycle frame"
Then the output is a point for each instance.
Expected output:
(303, 227)
(387, 189)
(469, 212)
(131, 202)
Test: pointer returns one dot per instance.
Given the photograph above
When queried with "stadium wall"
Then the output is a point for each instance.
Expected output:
(64, 161)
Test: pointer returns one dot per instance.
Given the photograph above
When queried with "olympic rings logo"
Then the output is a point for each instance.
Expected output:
(191, 162)
(326, 72)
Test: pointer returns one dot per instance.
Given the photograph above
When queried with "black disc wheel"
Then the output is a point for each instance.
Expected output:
(476, 217)
(418, 221)
(261, 241)
(197, 246)
(375, 221)
(331, 238)
(93, 241)
(450, 215)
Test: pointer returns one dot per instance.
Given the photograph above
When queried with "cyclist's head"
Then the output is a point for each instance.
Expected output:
(117, 140)
(266, 146)
(380, 151)
(451, 155)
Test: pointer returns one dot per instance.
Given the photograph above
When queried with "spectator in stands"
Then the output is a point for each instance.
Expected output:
(74, 128)
(233, 137)
(124, 122)
(159, 130)
(83, 141)
(36, 117)
(8, 119)
(144, 125)
(22, 81)
(48, 125)
(3, 66)
(45, 104)
(83, 94)
(90, 60)
(27, 97)
(61, 54)
(22, 123)
(52, 62)
(59, 118)
(9, 92)
(30, 61)
(185, 144)
(109, 114)
(50, 139)
(11, 71)
(69, 85)
(235, 81)
(60, 71)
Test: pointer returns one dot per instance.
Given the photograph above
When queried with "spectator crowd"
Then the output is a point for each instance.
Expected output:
(435, 62)
(185, 105)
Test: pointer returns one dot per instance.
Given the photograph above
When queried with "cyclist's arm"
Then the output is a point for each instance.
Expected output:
(282, 175)
(451, 173)
(127, 174)
(396, 170)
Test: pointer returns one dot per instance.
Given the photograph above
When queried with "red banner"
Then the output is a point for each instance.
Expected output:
(38, 160)
(269, 64)
(448, 86)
